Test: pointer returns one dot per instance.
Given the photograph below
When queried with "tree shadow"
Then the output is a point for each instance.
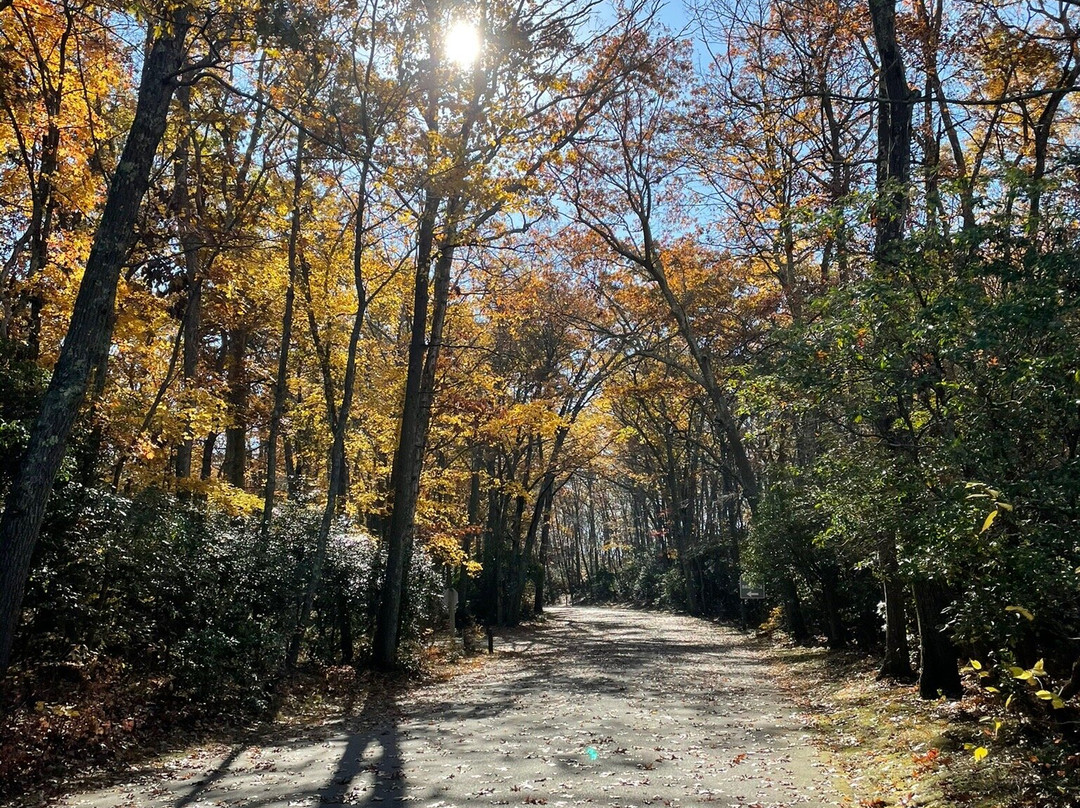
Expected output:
(208, 782)
(369, 770)
(379, 721)
(528, 720)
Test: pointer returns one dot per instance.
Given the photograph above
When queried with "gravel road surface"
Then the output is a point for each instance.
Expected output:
(595, 707)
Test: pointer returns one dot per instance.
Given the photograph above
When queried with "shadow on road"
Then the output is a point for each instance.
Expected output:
(211, 779)
(609, 657)
(369, 771)
(380, 721)
(591, 706)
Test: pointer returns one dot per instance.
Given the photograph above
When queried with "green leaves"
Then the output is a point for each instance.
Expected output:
(1033, 676)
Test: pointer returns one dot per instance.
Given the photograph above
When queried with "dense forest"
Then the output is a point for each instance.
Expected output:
(312, 311)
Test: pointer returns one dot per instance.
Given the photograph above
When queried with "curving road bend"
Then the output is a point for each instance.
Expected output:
(596, 707)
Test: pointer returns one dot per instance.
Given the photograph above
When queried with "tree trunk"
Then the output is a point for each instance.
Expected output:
(234, 467)
(424, 349)
(516, 567)
(89, 331)
(293, 471)
(206, 465)
(186, 450)
(897, 662)
(281, 382)
(524, 559)
(796, 622)
(337, 484)
(344, 625)
(893, 132)
(541, 561)
(835, 630)
(191, 242)
(939, 673)
(1041, 138)
(473, 516)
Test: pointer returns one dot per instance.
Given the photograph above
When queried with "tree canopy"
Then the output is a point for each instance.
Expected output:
(306, 316)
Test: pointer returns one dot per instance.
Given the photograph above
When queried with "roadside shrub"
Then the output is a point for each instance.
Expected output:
(672, 590)
(200, 596)
(644, 574)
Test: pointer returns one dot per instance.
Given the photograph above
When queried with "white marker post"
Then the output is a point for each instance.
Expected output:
(747, 592)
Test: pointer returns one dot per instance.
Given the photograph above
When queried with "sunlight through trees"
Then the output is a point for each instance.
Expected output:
(310, 312)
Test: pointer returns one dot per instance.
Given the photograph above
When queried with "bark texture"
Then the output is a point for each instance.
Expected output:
(431, 292)
(896, 663)
(89, 332)
(939, 674)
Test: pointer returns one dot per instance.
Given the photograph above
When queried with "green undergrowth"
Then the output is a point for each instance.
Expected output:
(891, 748)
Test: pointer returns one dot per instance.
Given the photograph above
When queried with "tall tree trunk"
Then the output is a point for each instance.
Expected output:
(431, 289)
(497, 501)
(206, 465)
(186, 450)
(293, 471)
(89, 331)
(344, 619)
(680, 527)
(337, 484)
(893, 180)
(473, 515)
(542, 559)
(793, 613)
(936, 222)
(835, 631)
(234, 467)
(281, 382)
(893, 133)
(191, 241)
(525, 559)
(897, 661)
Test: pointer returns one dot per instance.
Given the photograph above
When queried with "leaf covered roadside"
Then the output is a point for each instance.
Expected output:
(84, 719)
(94, 722)
(894, 748)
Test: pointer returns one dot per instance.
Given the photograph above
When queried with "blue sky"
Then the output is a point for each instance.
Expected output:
(674, 15)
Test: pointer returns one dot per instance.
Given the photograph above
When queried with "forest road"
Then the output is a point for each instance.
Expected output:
(595, 707)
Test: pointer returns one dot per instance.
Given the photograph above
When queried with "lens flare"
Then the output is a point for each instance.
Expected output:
(463, 43)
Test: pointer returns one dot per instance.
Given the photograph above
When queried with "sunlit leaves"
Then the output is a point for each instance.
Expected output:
(1020, 610)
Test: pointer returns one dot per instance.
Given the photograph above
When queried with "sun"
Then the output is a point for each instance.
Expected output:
(463, 43)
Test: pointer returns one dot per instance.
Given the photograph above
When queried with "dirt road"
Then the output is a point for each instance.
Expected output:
(597, 707)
